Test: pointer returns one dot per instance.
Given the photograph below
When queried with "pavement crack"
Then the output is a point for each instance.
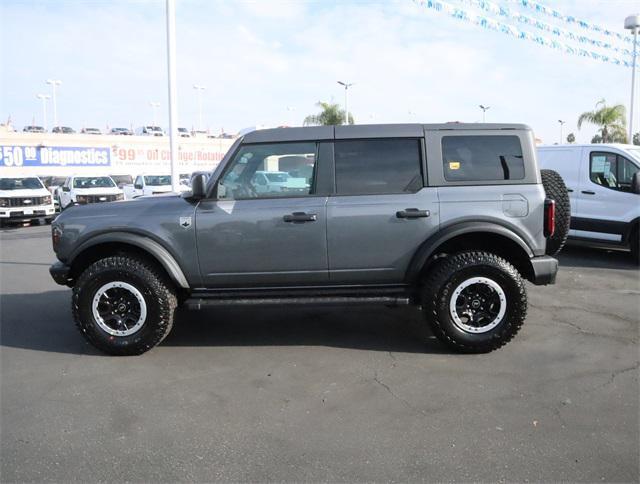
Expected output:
(406, 403)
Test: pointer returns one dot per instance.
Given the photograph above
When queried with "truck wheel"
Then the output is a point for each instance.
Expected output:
(475, 302)
(556, 190)
(123, 306)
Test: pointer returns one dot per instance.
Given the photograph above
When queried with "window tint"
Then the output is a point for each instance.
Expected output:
(482, 158)
(378, 166)
(611, 171)
(273, 170)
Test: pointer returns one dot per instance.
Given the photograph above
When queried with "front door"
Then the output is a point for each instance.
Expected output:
(267, 229)
(381, 211)
(605, 201)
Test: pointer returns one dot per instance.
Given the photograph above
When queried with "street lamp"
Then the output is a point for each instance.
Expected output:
(173, 93)
(54, 83)
(632, 22)
(44, 98)
(561, 125)
(199, 90)
(346, 85)
(155, 106)
(484, 111)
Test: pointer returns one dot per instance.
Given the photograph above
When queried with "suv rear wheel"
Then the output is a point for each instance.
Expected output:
(475, 302)
(123, 305)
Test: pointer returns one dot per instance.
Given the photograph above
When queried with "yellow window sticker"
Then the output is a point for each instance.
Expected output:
(454, 165)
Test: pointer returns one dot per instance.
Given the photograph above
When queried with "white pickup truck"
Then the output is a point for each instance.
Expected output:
(23, 199)
(145, 185)
(277, 182)
(81, 190)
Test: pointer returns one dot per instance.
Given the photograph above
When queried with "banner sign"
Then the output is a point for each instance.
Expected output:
(52, 156)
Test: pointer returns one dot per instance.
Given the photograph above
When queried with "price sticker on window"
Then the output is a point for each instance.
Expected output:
(454, 165)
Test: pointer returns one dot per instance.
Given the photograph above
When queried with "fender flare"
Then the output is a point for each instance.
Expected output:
(147, 244)
(429, 246)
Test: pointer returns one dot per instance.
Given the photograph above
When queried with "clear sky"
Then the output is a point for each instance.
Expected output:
(269, 62)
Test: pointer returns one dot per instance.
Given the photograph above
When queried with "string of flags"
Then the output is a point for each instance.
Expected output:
(620, 56)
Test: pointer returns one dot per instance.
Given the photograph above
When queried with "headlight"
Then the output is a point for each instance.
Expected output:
(4, 202)
(120, 196)
(47, 200)
(81, 199)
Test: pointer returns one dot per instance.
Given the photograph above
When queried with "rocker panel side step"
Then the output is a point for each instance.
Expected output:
(199, 303)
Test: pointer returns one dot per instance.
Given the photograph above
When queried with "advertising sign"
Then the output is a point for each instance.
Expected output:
(51, 156)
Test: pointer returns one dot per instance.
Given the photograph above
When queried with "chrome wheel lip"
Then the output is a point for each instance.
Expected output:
(475, 329)
(99, 319)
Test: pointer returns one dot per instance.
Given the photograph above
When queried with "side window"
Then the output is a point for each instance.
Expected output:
(378, 166)
(269, 170)
(611, 171)
(482, 158)
(138, 180)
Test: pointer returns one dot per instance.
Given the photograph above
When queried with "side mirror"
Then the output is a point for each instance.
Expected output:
(199, 186)
(137, 186)
(635, 183)
(66, 189)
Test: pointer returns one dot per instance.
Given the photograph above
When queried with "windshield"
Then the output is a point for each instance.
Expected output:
(277, 177)
(93, 182)
(157, 180)
(20, 183)
(122, 179)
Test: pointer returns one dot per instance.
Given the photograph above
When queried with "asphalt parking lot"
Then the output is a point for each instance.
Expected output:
(322, 394)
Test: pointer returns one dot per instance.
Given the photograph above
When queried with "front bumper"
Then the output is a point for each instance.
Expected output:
(30, 213)
(545, 269)
(60, 273)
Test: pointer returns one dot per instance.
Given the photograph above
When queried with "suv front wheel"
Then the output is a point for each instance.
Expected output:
(123, 305)
(475, 301)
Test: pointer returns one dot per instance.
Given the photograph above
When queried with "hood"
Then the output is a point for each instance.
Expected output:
(97, 191)
(159, 188)
(24, 193)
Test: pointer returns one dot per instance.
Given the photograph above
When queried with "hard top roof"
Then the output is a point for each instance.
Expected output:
(368, 131)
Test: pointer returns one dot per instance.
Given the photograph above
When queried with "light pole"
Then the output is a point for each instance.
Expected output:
(484, 111)
(44, 98)
(561, 125)
(346, 85)
(199, 90)
(54, 83)
(155, 106)
(173, 95)
(632, 22)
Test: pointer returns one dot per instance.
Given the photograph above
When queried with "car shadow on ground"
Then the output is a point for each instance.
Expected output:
(43, 322)
(576, 255)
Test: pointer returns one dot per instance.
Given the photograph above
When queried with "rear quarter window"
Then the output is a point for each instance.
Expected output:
(482, 158)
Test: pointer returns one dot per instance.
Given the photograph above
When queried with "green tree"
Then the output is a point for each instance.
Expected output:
(610, 119)
(331, 114)
(636, 138)
(571, 138)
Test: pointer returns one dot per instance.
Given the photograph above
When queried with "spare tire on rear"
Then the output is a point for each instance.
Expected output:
(556, 190)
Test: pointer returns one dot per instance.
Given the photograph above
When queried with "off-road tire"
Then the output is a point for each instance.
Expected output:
(556, 190)
(441, 282)
(158, 293)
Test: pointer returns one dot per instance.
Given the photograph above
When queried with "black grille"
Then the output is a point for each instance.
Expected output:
(26, 201)
(100, 198)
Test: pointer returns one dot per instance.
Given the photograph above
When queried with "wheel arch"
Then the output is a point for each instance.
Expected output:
(108, 244)
(485, 236)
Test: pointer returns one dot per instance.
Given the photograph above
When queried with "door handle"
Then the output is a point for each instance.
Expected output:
(412, 213)
(588, 192)
(300, 217)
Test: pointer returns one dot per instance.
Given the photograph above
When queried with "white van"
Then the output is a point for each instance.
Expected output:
(604, 187)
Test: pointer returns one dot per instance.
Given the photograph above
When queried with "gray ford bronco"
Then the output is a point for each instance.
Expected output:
(449, 217)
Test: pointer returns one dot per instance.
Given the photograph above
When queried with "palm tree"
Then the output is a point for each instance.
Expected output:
(331, 114)
(611, 119)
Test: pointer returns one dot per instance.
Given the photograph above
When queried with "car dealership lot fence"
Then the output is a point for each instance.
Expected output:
(60, 155)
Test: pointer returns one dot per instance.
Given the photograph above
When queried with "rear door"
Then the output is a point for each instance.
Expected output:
(606, 204)
(381, 210)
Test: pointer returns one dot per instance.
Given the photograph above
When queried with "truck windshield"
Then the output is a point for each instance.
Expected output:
(93, 182)
(157, 180)
(31, 183)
